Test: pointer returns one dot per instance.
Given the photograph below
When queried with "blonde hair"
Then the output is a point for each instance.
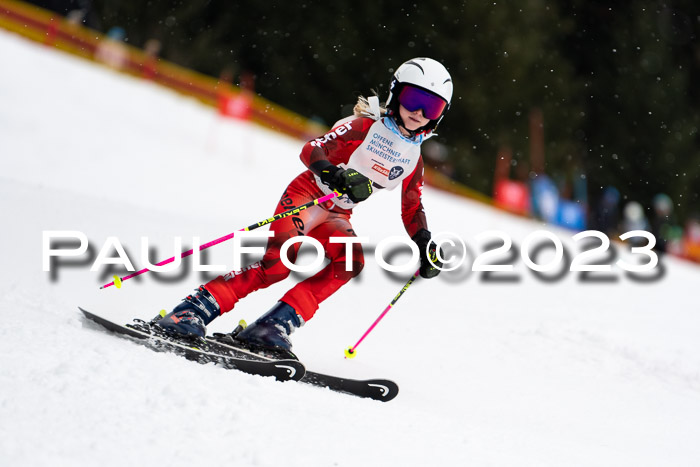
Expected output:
(363, 108)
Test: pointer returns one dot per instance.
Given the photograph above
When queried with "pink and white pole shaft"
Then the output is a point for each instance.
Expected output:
(262, 223)
(351, 350)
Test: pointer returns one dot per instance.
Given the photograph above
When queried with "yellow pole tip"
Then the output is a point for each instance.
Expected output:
(243, 324)
(117, 282)
(350, 353)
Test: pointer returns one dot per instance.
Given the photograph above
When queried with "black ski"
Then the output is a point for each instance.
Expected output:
(378, 389)
(282, 370)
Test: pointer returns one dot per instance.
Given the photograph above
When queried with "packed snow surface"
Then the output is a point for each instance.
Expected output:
(495, 369)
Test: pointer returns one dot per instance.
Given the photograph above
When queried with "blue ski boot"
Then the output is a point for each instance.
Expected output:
(270, 333)
(190, 318)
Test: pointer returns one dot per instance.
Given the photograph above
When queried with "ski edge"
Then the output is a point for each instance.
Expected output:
(292, 370)
(382, 390)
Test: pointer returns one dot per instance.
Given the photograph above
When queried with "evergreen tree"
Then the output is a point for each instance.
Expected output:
(614, 83)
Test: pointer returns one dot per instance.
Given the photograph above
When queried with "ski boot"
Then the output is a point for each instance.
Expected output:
(269, 334)
(190, 318)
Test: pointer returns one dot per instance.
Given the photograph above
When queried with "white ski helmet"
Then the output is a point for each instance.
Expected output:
(426, 74)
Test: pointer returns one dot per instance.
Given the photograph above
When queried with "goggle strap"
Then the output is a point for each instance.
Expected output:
(374, 106)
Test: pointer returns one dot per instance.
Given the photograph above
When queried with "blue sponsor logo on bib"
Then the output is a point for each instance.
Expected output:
(395, 172)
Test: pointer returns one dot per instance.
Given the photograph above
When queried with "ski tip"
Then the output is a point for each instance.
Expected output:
(86, 313)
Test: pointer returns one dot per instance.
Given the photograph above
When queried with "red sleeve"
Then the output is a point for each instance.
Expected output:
(412, 212)
(337, 145)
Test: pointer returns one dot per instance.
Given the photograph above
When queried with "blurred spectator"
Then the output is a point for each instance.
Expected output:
(75, 11)
(75, 17)
(674, 241)
(571, 214)
(606, 213)
(227, 74)
(112, 51)
(246, 81)
(435, 155)
(236, 104)
(634, 219)
(691, 238)
(662, 222)
(545, 198)
(151, 49)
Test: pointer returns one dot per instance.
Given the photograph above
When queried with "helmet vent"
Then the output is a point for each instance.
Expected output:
(414, 63)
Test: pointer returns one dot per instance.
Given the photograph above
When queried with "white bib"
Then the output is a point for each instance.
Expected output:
(385, 157)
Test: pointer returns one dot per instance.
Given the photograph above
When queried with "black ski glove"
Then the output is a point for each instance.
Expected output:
(347, 182)
(429, 263)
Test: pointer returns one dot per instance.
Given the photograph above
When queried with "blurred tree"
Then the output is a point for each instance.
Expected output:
(614, 83)
(641, 129)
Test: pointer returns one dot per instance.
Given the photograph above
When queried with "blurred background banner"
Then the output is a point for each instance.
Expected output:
(581, 113)
(65, 29)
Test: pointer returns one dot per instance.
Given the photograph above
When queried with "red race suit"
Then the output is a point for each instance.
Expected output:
(320, 222)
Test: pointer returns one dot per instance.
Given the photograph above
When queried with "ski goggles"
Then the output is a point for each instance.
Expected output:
(413, 98)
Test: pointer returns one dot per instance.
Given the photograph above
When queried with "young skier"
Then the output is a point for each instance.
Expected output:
(377, 148)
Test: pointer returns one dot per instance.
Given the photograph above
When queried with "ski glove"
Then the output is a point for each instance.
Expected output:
(429, 263)
(347, 182)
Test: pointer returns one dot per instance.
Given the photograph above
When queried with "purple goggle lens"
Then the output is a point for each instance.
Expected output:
(415, 98)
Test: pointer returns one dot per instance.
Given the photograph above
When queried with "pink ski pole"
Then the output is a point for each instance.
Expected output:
(350, 351)
(118, 281)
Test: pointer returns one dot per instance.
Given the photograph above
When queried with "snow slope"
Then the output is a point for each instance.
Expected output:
(522, 372)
